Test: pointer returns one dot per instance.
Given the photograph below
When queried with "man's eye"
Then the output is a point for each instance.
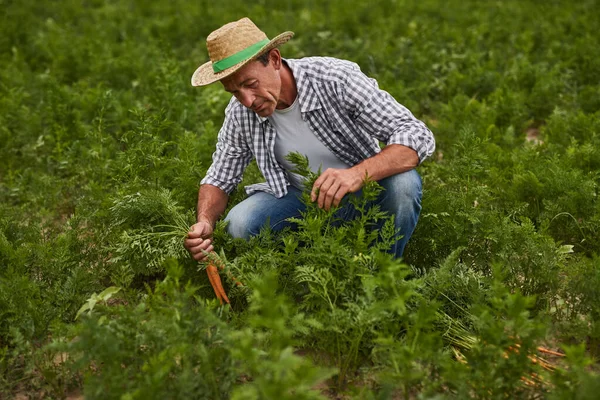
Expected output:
(253, 84)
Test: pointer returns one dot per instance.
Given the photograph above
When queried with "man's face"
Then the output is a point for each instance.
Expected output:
(257, 86)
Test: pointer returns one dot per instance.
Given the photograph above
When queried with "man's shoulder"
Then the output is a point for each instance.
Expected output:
(234, 106)
(319, 62)
(237, 112)
(323, 68)
(238, 116)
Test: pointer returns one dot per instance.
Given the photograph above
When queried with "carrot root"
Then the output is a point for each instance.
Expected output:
(215, 281)
(212, 269)
(554, 353)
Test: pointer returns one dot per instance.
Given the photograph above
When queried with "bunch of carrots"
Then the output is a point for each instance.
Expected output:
(215, 280)
(533, 380)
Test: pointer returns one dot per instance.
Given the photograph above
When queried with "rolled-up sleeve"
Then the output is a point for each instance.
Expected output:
(382, 117)
(230, 159)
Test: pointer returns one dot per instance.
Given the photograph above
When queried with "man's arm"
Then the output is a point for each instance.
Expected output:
(393, 159)
(377, 114)
(333, 184)
(212, 202)
(230, 158)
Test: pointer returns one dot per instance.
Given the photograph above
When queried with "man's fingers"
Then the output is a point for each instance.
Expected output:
(194, 234)
(200, 230)
(201, 256)
(197, 231)
(332, 185)
(324, 190)
(317, 185)
(199, 252)
(199, 240)
(315, 189)
(189, 243)
(203, 245)
(339, 195)
(330, 195)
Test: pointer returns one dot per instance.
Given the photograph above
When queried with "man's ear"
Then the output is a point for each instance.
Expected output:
(275, 58)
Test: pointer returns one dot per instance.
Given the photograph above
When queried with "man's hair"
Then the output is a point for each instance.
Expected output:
(264, 58)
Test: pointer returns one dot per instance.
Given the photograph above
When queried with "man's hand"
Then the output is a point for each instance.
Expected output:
(333, 184)
(199, 240)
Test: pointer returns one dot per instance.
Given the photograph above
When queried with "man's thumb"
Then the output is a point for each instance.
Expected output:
(195, 232)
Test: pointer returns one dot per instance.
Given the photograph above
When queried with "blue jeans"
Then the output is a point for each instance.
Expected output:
(401, 198)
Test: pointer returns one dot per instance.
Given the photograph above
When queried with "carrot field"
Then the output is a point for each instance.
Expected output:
(103, 143)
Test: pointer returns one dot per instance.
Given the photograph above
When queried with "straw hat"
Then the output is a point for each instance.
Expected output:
(231, 47)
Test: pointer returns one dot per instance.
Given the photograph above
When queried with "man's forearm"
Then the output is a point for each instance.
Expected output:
(212, 202)
(392, 160)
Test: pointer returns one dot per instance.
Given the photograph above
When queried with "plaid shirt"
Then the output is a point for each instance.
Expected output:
(344, 108)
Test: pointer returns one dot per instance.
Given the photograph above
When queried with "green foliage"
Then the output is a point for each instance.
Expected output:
(170, 344)
(577, 305)
(152, 228)
(103, 143)
(105, 295)
(497, 362)
(264, 347)
(173, 344)
(577, 381)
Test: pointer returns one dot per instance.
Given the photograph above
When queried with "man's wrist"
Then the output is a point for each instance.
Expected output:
(360, 172)
(205, 218)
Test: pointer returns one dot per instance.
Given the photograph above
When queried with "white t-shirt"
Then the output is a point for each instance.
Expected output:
(294, 134)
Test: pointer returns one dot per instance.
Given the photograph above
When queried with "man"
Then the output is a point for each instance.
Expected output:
(322, 107)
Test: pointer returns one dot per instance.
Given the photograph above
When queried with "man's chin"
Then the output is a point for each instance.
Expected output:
(264, 112)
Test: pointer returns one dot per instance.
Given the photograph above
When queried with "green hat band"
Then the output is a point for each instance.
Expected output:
(238, 57)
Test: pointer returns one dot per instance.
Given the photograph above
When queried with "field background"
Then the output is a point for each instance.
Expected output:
(103, 143)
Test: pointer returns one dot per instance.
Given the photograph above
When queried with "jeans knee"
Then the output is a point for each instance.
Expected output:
(240, 226)
(403, 191)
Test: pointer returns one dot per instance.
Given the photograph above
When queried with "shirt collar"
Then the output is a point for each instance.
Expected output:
(307, 96)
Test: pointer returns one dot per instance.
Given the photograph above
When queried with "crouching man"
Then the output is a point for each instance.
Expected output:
(322, 107)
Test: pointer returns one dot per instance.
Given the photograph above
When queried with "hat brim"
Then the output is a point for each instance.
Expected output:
(205, 75)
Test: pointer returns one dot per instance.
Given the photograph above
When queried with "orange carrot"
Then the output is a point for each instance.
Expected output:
(215, 281)
(554, 353)
(210, 271)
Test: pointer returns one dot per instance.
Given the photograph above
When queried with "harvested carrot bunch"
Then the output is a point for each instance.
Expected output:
(215, 280)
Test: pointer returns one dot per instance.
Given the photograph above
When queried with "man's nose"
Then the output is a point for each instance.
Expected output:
(246, 99)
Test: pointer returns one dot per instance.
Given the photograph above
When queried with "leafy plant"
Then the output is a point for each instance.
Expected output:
(103, 143)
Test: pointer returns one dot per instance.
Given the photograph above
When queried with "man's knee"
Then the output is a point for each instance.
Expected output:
(247, 218)
(403, 189)
(242, 223)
